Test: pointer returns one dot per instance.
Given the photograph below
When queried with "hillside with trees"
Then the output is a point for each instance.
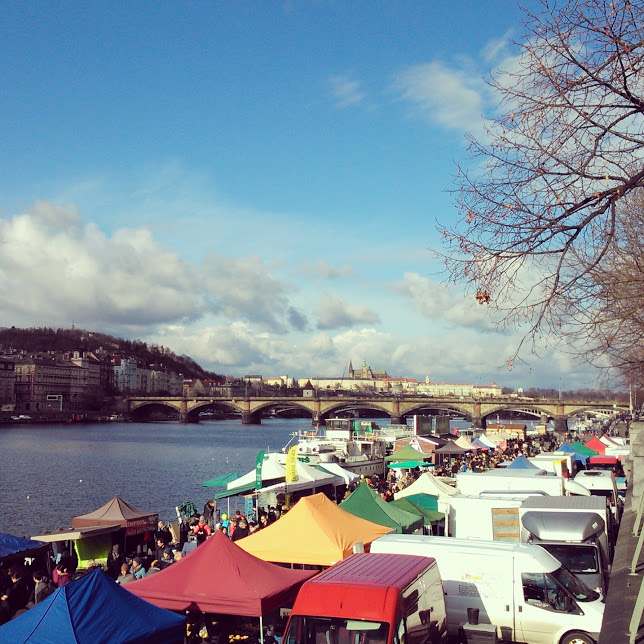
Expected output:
(38, 340)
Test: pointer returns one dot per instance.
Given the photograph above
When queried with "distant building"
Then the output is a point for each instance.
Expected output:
(7, 385)
(47, 385)
(367, 379)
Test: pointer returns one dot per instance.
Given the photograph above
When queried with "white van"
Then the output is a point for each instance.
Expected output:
(602, 483)
(520, 588)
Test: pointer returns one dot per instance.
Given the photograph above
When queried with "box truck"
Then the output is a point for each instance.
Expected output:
(557, 463)
(519, 588)
(576, 530)
(602, 483)
(371, 599)
(529, 482)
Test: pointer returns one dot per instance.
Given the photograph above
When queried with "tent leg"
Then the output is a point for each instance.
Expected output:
(261, 629)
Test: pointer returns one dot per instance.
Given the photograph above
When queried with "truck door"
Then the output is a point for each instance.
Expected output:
(542, 609)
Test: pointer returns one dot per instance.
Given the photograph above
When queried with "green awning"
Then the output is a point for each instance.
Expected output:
(222, 480)
(429, 516)
(406, 453)
(579, 447)
(410, 464)
(367, 504)
(242, 489)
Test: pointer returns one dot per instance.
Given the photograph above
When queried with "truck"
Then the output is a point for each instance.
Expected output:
(371, 599)
(602, 483)
(520, 588)
(557, 463)
(503, 481)
(577, 530)
(487, 517)
(575, 540)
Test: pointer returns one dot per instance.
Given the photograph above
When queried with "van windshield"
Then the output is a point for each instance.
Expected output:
(334, 630)
(574, 586)
(577, 558)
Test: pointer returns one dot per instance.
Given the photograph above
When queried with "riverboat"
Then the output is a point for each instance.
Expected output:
(357, 446)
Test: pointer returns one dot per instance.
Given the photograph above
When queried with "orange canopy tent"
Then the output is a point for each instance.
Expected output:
(315, 532)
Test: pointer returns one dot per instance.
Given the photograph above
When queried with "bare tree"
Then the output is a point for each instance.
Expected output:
(539, 210)
(615, 324)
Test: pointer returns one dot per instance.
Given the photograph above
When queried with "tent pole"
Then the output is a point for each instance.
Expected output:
(261, 629)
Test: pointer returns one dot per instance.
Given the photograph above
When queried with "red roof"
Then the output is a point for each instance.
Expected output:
(220, 577)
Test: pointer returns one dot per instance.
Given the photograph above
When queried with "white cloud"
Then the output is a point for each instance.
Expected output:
(345, 90)
(53, 264)
(50, 262)
(436, 301)
(326, 270)
(447, 96)
(496, 47)
(334, 313)
(244, 288)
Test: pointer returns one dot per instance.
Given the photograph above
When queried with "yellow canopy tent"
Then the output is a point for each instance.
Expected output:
(315, 532)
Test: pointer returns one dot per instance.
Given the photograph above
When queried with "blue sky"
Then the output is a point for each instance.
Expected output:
(256, 185)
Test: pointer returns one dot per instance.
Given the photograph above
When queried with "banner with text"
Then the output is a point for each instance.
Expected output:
(258, 470)
(291, 465)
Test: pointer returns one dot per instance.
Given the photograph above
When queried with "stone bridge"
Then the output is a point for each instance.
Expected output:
(476, 410)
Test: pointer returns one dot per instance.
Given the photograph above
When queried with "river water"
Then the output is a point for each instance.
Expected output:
(50, 473)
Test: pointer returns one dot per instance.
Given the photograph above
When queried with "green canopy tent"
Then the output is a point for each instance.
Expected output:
(222, 480)
(426, 501)
(430, 516)
(409, 464)
(579, 447)
(406, 453)
(365, 503)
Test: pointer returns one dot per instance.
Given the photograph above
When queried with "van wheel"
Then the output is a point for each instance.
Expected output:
(577, 637)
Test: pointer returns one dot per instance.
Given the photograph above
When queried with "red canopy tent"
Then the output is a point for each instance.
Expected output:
(597, 445)
(118, 512)
(220, 577)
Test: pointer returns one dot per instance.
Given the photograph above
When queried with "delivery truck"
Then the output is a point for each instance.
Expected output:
(371, 599)
(602, 483)
(576, 530)
(557, 463)
(528, 482)
(519, 588)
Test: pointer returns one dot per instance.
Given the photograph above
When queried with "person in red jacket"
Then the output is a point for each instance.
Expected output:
(202, 530)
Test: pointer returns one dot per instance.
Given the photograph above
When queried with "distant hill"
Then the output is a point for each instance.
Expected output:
(42, 340)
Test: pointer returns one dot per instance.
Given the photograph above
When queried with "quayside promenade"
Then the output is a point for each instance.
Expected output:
(623, 614)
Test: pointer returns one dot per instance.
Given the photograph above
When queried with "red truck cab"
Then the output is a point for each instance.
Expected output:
(371, 599)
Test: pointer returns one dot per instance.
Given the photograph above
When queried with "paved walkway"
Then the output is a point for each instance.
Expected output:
(624, 587)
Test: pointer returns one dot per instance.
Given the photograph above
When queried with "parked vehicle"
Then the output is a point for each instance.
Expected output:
(487, 517)
(556, 463)
(577, 530)
(602, 483)
(520, 588)
(575, 541)
(497, 481)
(371, 599)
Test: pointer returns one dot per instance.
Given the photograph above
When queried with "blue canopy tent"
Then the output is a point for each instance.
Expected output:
(10, 545)
(567, 448)
(522, 463)
(94, 610)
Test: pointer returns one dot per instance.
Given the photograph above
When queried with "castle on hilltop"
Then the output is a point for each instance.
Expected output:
(367, 379)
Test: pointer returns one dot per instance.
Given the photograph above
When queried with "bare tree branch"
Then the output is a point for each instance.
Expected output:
(539, 212)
